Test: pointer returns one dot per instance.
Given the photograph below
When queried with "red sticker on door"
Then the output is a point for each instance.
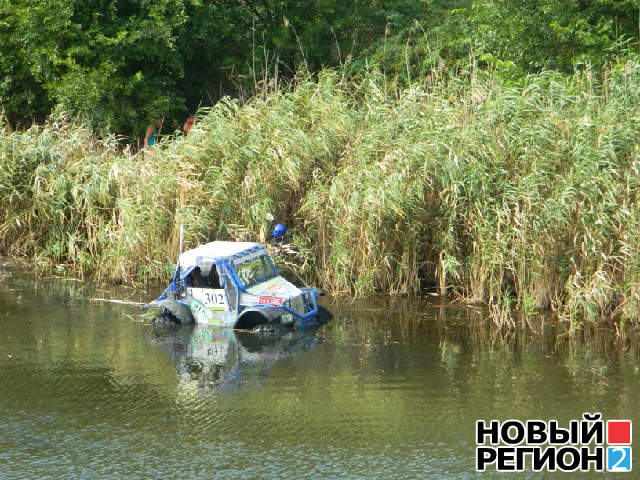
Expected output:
(273, 301)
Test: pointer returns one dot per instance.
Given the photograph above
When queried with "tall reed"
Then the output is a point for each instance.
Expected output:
(524, 197)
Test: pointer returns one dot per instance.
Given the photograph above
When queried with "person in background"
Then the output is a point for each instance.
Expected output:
(188, 123)
(281, 239)
(151, 133)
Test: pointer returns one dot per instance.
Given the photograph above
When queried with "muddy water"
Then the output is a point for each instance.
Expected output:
(388, 389)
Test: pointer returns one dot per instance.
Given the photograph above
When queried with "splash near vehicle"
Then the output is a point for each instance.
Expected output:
(235, 284)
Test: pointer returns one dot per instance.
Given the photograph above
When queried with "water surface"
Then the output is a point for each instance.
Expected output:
(388, 389)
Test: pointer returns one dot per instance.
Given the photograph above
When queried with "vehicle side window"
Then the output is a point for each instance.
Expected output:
(214, 279)
(195, 279)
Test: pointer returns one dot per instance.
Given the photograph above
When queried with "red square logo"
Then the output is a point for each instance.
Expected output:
(619, 432)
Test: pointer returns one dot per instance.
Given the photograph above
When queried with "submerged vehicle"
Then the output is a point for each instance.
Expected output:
(234, 284)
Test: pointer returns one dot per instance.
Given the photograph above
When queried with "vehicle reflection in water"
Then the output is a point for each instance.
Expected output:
(213, 358)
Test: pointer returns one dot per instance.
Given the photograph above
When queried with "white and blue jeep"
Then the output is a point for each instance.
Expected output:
(235, 284)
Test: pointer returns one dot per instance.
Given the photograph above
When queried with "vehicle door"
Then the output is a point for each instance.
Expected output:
(230, 287)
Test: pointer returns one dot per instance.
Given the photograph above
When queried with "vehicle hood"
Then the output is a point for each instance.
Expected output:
(275, 287)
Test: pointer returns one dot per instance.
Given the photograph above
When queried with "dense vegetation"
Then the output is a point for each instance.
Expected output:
(118, 64)
(478, 147)
(517, 195)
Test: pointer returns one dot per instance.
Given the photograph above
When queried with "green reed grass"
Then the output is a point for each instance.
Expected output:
(523, 197)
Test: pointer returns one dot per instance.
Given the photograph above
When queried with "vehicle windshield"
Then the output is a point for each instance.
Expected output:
(255, 271)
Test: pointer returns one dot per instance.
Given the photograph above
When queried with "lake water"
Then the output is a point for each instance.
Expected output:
(386, 390)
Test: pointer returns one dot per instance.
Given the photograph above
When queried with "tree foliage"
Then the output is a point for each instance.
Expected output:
(112, 62)
(517, 38)
(119, 63)
(558, 34)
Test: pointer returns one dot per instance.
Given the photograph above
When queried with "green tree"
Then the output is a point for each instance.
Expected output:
(119, 63)
(559, 34)
(116, 63)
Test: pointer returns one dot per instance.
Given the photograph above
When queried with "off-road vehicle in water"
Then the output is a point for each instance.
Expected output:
(235, 284)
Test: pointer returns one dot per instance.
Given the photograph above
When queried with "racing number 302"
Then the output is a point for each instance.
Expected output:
(215, 298)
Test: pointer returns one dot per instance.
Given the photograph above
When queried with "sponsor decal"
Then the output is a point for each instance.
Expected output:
(273, 301)
(276, 287)
(201, 314)
(537, 445)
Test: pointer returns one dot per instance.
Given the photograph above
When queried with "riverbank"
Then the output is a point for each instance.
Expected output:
(520, 196)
